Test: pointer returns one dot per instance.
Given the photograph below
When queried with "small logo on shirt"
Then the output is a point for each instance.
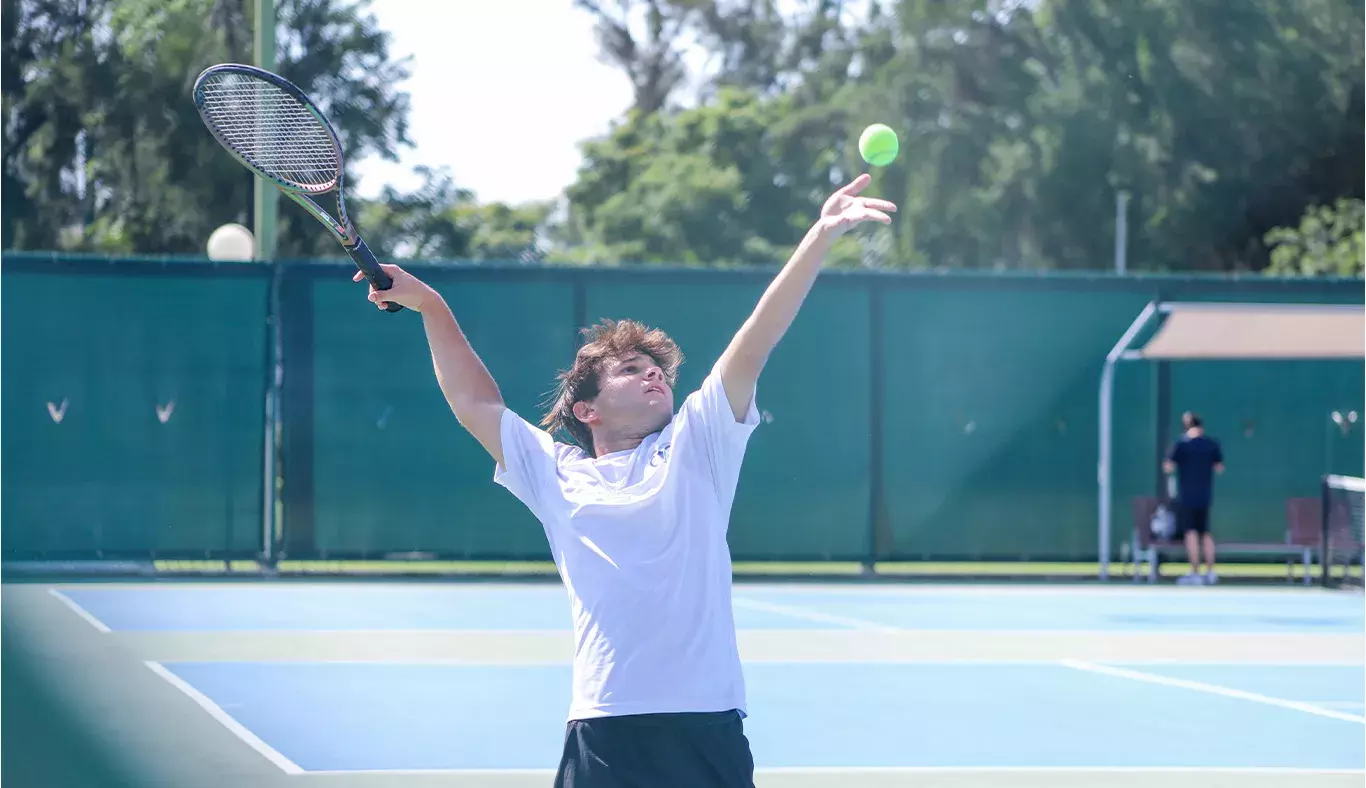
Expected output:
(660, 455)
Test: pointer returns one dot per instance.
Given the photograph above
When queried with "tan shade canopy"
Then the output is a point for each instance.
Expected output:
(1259, 331)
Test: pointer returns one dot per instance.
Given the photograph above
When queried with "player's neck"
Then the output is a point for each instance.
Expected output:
(603, 445)
(612, 441)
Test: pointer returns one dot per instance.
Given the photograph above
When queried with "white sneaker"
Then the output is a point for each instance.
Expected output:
(1210, 578)
(1188, 579)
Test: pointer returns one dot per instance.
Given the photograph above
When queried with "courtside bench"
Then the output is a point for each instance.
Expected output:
(1303, 539)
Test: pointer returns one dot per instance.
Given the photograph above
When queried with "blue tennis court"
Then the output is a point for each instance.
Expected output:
(545, 607)
(395, 716)
(1250, 679)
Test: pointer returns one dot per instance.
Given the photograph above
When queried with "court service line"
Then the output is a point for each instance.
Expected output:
(1213, 689)
(252, 740)
(812, 615)
(80, 611)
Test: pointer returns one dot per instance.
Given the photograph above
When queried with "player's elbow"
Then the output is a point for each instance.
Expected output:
(483, 419)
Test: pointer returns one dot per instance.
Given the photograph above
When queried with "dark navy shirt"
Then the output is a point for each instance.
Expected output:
(1195, 459)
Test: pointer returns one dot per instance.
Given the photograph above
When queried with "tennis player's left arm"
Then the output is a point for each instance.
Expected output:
(748, 352)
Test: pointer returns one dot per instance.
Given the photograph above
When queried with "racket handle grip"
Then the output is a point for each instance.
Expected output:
(366, 262)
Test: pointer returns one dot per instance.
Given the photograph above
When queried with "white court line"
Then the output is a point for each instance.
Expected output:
(894, 589)
(867, 770)
(811, 615)
(216, 711)
(80, 611)
(1213, 689)
(1337, 704)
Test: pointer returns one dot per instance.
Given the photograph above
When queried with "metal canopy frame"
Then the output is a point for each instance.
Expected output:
(1222, 331)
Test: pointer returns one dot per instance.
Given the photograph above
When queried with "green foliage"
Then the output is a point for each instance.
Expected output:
(505, 232)
(712, 185)
(441, 221)
(422, 224)
(87, 166)
(1019, 124)
(1328, 241)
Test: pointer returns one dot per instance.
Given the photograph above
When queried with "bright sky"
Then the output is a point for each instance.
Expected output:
(503, 103)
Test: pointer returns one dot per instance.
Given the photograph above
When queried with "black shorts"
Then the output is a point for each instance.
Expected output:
(697, 750)
(1192, 519)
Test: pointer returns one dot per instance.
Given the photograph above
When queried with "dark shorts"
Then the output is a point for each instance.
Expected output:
(1192, 519)
(698, 750)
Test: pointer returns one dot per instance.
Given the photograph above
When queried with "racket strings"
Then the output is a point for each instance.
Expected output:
(272, 130)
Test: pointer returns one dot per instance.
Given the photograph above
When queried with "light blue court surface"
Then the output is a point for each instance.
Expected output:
(175, 607)
(386, 716)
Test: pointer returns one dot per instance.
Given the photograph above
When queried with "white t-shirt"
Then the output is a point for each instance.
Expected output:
(639, 538)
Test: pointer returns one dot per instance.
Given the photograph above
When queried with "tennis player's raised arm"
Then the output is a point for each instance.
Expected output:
(748, 352)
(469, 388)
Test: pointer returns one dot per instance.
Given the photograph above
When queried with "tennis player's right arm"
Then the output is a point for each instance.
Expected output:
(469, 388)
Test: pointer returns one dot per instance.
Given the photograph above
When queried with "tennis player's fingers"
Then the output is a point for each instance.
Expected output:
(857, 185)
(880, 205)
(862, 214)
(359, 276)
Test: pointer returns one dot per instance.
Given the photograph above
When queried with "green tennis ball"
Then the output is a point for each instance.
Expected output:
(878, 145)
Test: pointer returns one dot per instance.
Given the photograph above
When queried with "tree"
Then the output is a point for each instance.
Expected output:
(725, 183)
(645, 39)
(738, 178)
(423, 224)
(104, 149)
(1328, 241)
(1019, 122)
(506, 232)
(47, 56)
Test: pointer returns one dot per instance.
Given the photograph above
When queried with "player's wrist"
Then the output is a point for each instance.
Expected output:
(825, 229)
(428, 298)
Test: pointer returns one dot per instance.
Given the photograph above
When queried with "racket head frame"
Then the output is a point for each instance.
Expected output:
(341, 227)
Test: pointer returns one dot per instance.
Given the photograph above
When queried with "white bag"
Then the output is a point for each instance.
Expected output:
(1163, 524)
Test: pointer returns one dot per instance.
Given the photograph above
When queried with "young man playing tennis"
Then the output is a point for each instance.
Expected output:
(636, 517)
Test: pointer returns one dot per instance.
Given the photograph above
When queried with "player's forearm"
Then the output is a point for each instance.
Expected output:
(747, 354)
(463, 378)
(778, 306)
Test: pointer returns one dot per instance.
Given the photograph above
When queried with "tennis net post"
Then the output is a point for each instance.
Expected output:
(1343, 499)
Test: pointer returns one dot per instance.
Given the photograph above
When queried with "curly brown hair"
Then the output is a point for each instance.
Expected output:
(608, 340)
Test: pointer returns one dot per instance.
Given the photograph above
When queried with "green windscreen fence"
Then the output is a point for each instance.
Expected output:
(990, 429)
(904, 417)
(133, 407)
(389, 470)
(1274, 424)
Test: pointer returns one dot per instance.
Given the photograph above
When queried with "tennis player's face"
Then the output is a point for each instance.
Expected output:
(634, 395)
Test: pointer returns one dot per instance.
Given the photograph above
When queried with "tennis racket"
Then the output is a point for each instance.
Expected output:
(277, 132)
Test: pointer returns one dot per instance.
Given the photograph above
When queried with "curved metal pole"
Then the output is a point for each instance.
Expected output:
(1104, 473)
(1107, 382)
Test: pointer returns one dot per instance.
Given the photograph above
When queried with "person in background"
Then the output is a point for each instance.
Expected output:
(1195, 459)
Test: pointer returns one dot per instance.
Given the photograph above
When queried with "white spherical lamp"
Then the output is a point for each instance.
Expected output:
(232, 242)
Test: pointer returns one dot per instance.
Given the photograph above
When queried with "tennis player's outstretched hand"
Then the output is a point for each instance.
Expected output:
(846, 208)
(407, 290)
